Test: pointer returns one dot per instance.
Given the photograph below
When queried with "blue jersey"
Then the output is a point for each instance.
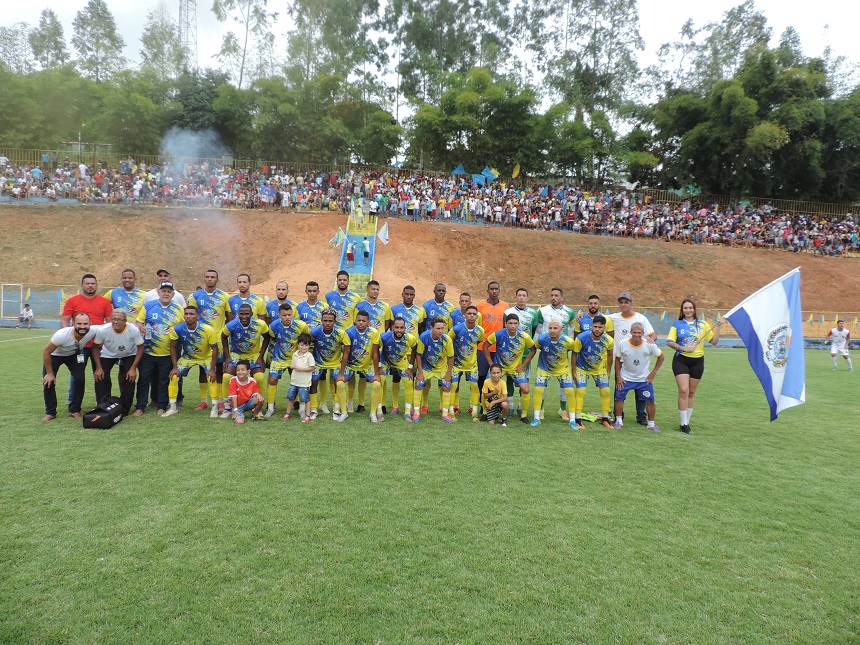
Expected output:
(131, 302)
(361, 348)
(584, 323)
(441, 310)
(273, 309)
(435, 353)
(212, 307)
(310, 314)
(285, 340)
(344, 305)
(159, 321)
(413, 316)
(328, 348)
(394, 352)
(459, 318)
(258, 305)
(245, 341)
(196, 344)
(466, 346)
(553, 357)
(510, 349)
(380, 313)
(590, 353)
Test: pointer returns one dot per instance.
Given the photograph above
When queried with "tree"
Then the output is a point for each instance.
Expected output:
(97, 41)
(194, 94)
(161, 49)
(135, 112)
(48, 41)
(15, 48)
(253, 20)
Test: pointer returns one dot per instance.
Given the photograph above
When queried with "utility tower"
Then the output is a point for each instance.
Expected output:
(188, 30)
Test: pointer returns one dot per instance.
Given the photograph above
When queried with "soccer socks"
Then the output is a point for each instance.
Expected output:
(572, 394)
(474, 397)
(204, 390)
(362, 392)
(538, 401)
(261, 381)
(683, 415)
(525, 400)
(848, 360)
(605, 401)
(409, 394)
(446, 401)
(271, 394)
(833, 358)
(579, 400)
(173, 388)
(375, 395)
(213, 392)
(689, 414)
(425, 397)
(395, 394)
(322, 389)
(225, 385)
(315, 400)
(341, 389)
(416, 399)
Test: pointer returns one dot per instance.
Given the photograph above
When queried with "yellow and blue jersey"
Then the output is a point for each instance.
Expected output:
(459, 318)
(435, 353)
(380, 313)
(695, 333)
(130, 302)
(196, 344)
(361, 348)
(413, 316)
(510, 349)
(344, 305)
(285, 340)
(258, 305)
(328, 348)
(311, 314)
(466, 346)
(159, 321)
(584, 323)
(211, 307)
(396, 353)
(443, 310)
(273, 309)
(553, 358)
(245, 341)
(590, 353)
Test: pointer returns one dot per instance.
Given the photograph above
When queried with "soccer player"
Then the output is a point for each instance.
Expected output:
(282, 295)
(343, 301)
(244, 393)
(435, 359)
(511, 343)
(129, 298)
(213, 310)
(438, 307)
(66, 347)
(312, 307)
(156, 320)
(590, 352)
(556, 310)
(554, 362)
(245, 338)
(245, 297)
(362, 360)
(117, 343)
(621, 321)
(529, 317)
(413, 315)
(466, 337)
(459, 315)
(493, 319)
(397, 356)
(687, 337)
(632, 372)
(380, 312)
(198, 345)
(840, 338)
(284, 333)
(584, 319)
(328, 354)
(495, 395)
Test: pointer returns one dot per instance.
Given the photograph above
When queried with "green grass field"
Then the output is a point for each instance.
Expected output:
(196, 530)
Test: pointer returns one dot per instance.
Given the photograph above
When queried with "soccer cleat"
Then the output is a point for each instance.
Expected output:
(268, 414)
(564, 414)
(504, 423)
(349, 407)
(287, 416)
(618, 424)
(214, 413)
(447, 419)
(306, 420)
(359, 409)
(314, 414)
(221, 407)
(201, 406)
(607, 424)
(654, 428)
(573, 425)
(686, 429)
(374, 419)
(380, 416)
(476, 419)
(524, 419)
(394, 411)
(226, 414)
(385, 410)
(642, 421)
(834, 369)
(415, 418)
(850, 369)
(324, 409)
(424, 409)
(170, 412)
(535, 423)
(456, 409)
(341, 417)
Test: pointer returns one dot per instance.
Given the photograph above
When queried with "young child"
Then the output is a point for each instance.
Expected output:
(495, 394)
(300, 380)
(245, 393)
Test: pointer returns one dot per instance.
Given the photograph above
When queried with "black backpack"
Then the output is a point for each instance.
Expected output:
(107, 413)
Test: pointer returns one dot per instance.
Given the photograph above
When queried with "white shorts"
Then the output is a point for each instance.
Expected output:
(838, 350)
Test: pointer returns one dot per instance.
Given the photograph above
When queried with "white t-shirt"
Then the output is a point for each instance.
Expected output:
(152, 294)
(66, 344)
(839, 339)
(114, 345)
(27, 314)
(301, 379)
(622, 325)
(636, 361)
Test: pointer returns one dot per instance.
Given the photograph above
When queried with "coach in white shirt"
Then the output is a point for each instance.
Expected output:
(623, 321)
(117, 343)
(633, 373)
(164, 275)
(66, 347)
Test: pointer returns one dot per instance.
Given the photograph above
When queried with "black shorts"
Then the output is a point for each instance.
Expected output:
(694, 367)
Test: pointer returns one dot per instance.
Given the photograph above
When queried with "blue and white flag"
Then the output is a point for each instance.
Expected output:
(771, 326)
(383, 233)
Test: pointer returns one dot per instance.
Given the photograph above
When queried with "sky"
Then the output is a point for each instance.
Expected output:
(660, 22)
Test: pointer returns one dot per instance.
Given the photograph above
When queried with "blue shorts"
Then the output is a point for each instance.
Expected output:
(471, 376)
(320, 372)
(542, 379)
(518, 378)
(429, 376)
(368, 375)
(644, 391)
(600, 379)
(247, 406)
(396, 372)
(303, 393)
(235, 358)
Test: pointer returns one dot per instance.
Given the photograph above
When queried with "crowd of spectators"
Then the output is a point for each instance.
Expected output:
(425, 196)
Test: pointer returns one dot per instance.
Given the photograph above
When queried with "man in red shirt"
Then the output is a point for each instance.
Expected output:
(97, 307)
(492, 312)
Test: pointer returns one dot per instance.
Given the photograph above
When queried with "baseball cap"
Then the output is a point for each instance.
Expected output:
(162, 271)
(626, 295)
(166, 285)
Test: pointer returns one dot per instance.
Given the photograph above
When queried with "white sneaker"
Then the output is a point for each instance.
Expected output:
(373, 419)
(213, 414)
(324, 409)
(314, 414)
(349, 407)
(341, 417)
(269, 413)
(169, 412)
(226, 414)
(380, 417)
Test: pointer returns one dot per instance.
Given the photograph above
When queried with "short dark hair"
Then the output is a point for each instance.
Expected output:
(285, 306)
(190, 307)
(312, 283)
(408, 286)
(244, 305)
(494, 366)
(472, 307)
(342, 272)
(559, 289)
(362, 312)
(599, 319)
(466, 293)
(593, 297)
(88, 275)
(245, 362)
(438, 319)
(211, 271)
(511, 316)
(244, 274)
(373, 283)
(304, 338)
(493, 282)
(131, 271)
(522, 289)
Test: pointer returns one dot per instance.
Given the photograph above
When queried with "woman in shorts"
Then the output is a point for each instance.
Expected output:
(687, 337)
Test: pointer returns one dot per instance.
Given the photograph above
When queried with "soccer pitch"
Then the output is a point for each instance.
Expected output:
(189, 529)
